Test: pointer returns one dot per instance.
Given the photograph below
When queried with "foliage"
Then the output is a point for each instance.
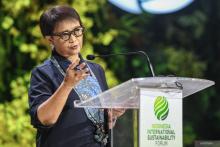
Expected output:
(15, 123)
(22, 48)
(185, 43)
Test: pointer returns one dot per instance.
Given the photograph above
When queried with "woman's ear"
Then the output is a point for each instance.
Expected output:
(49, 39)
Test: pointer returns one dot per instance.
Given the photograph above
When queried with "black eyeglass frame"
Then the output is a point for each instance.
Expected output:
(69, 33)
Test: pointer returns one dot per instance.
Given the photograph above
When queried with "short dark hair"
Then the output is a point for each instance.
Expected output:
(52, 16)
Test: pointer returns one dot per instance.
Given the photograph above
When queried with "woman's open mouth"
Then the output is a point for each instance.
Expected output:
(74, 47)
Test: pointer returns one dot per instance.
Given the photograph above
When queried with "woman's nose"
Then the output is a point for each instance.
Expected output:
(72, 38)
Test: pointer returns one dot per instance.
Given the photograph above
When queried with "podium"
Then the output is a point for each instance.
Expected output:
(157, 102)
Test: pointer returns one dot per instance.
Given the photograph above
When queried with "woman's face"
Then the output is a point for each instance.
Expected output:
(65, 44)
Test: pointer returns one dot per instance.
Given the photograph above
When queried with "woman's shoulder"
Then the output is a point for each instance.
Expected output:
(46, 66)
(96, 68)
(100, 74)
(94, 65)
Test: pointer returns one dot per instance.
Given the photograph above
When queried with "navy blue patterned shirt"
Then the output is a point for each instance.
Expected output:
(73, 128)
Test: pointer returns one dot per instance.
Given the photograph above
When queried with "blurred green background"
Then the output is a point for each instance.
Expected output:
(185, 43)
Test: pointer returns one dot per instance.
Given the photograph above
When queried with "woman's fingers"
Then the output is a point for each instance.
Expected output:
(113, 114)
(73, 64)
(82, 66)
(75, 72)
(82, 73)
(118, 112)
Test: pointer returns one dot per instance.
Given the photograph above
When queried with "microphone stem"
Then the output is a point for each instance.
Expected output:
(129, 53)
(149, 63)
(132, 53)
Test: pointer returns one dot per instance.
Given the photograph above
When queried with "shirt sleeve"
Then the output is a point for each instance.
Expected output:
(40, 90)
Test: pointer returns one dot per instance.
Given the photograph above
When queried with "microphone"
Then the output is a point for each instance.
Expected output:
(92, 57)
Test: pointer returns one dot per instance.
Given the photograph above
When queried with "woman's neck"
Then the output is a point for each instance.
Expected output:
(73, 58)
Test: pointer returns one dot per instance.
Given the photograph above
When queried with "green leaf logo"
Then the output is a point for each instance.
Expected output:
(161, 108)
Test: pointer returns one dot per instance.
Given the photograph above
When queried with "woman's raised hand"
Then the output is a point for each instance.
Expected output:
(74, 75)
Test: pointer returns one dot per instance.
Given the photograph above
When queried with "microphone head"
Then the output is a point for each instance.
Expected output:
(90, 57)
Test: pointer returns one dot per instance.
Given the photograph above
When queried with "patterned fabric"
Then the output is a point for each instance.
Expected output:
(87, 88)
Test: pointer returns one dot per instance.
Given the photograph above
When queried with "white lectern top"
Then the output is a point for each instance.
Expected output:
(126, 95)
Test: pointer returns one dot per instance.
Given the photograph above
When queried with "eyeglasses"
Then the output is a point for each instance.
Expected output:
(77, 32)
